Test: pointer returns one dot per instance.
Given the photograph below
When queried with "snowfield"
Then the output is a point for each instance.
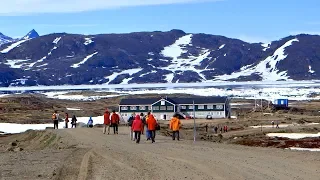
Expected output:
(12, 128)
(294, 135)
(294, 90)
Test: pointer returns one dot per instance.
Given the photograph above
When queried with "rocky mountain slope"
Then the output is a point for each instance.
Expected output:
(155, 57)
(5, 39)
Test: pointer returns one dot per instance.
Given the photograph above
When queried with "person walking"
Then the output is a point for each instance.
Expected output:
(66, 120)
(115, 119)
(175, 125)
(106, 122)
(152, 123)
(74, 121)
(90, 123)
(148, 133)
(137, 127)
(272, 123)
(55, 119)
(143, 119)
(277, 124)
(130, 121)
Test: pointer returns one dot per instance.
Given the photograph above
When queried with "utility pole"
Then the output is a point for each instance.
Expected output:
(194, 124)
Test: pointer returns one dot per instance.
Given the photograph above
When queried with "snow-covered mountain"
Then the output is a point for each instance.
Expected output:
(4, 39)
(156, 57)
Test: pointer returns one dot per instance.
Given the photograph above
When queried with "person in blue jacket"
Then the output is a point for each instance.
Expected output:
(90, 123)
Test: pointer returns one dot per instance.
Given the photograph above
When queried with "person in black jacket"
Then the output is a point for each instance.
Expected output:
(130, 121)
(74, 121)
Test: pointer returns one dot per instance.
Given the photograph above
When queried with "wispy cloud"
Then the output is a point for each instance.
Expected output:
(18, 7)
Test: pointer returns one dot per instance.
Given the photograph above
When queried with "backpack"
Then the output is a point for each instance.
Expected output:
(158, 126)
(54, 116)
(130, 121)
(144, 120)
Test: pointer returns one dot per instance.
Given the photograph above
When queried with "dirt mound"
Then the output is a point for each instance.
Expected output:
(32, 140)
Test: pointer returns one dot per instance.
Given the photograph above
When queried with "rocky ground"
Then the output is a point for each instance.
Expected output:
(84, 153)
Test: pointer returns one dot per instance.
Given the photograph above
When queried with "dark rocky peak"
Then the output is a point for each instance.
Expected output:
(31, 35)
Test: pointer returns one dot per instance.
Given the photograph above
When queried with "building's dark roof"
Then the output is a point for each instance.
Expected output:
(198, 100)
(176, 100)
(139, 101)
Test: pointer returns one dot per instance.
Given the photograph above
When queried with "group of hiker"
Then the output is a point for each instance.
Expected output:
(56, 117)
(139, 124)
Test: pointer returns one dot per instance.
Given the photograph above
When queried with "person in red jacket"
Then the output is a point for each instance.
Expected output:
(137, 127)
(106, 122)
(152, 123)
(115, 120)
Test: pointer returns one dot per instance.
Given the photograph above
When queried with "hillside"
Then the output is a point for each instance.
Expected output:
(155, 57)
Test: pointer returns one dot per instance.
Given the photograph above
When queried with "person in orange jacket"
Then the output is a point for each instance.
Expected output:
(152, 123)
(175, 125)
(137, 127)
(115, 120)
(106, 122)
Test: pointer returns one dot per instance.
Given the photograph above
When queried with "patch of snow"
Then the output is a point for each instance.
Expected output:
(128, 71)
(13, 45)
(266, 46)
(65, 96)
(310, 70)
(268, 73)
(84, 60)
(150, 53)
(74, 109)
(88, 41)
(42, 65)
(222, 46)
(153, 71)
(150, 59)
(55, 41)
(305, 149)
(126, 81)
(175, 49)
(169, 77)
(15, 63)
(293, 135)
(225, 55)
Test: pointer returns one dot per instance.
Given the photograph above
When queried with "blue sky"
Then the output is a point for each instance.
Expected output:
(250, 20)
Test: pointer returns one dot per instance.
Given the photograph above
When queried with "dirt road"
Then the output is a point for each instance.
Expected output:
(99, 156)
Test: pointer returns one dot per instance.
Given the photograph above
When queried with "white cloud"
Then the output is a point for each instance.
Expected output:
(18, 7)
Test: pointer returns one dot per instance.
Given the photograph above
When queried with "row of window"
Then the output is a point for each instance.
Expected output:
(134, 108)
(202, 107)
(162, 108)
(143, 108)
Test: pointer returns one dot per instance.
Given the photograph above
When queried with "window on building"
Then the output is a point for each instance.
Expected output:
(170, 108)
(133, 108)
(191, 107)
(163, 108)
(142, 108)
(155, 108)
(183, 107)
(124, 108)
(163, 103)
(200, 106)
(219, 106)
(209, 106)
